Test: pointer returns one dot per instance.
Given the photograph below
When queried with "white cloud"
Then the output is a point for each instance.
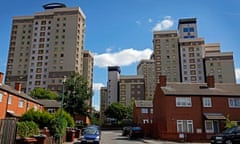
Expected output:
(122, 58)
(166, 23)
(237, 72)
(97, 86)
(108, 50)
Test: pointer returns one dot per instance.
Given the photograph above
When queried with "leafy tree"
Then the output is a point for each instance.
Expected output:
(41, 93)
(130, 111)
(27, 128)
(94, 118)
(117, 111)
(56, 123)
(77, 93)
(42, 118)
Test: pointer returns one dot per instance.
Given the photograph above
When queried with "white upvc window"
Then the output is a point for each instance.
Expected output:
(35, 107)
(51, 110)
(207, 102)
(10, 99)
(185, 126)
(209, 126)
(144, 110)
(234, 102)
(145, 121)
(1, 97)
(21, 103)
(151, 110)
(183, 102)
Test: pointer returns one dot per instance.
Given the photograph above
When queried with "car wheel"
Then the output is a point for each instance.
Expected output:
(228, 142)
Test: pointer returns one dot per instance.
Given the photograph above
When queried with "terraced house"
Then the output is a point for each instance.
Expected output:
(193, 111)
(14, 102)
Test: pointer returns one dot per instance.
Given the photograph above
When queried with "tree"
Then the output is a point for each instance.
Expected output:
(41, 93)
(229, 123)
(117, 111)
(130, 111)
(56, 122)
(77, 94)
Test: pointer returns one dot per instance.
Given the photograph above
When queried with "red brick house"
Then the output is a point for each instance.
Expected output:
(50, 106)
(13, 102)
(193, 111)
(142, 115)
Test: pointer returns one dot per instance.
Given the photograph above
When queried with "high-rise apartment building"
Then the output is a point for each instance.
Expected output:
(45, 47)
(146, 68)
(103, 100)
(192, 66)
(131, 87)
(88, 70)
(88, 67)
(113, 84)
(187, 28)
(191, 51)
(166, 55)
(219, 64)
(182, 56)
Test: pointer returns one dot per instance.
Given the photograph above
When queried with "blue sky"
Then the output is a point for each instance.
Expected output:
(119, 32)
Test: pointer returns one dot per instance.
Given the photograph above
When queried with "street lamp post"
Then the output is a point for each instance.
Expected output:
(62, 101)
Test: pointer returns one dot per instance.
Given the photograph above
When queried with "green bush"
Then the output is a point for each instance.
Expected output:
(27, 129)
(42, 118)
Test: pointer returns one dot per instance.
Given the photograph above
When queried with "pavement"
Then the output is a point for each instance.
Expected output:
(147, 141)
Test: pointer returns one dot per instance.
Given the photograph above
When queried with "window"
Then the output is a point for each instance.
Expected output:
(144, 110)
(191, 29)
(51, 110)
(183, 102)
(234, 102)
(35, 107)
(207, 102)
(151, 110)
(145, 121)
(185, 29)
(209, 126)
(9, 99)
(21, 103)
(185, 126)
(1, 97)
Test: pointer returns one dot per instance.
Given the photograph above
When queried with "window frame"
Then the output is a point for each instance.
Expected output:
(144, 110)
(210, 122)
(234, 102)
(207, 102)
(21, 103)
(183, 102)
(185, 126)
(1, 97)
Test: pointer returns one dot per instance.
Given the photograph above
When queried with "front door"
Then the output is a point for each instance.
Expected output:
(216, 126)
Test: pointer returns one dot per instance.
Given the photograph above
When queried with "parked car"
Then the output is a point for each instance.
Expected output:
(136, 132)
(91, 135)
(229, 136)
(126, 130)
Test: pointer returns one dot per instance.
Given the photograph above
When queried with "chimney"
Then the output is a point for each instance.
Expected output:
(210, 82)
(18, 87)
(162, 80)
(1, 77)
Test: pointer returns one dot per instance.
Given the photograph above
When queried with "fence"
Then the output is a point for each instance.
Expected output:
(8, 128)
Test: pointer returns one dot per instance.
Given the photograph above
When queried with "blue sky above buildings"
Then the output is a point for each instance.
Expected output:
(119, 32)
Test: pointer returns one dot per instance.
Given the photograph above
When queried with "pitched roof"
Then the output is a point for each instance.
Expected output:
(220, 89)
(21, 94)
(50, 103)
(143, 103)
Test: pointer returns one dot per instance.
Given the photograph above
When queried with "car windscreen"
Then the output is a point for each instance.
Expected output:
(91, 131)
